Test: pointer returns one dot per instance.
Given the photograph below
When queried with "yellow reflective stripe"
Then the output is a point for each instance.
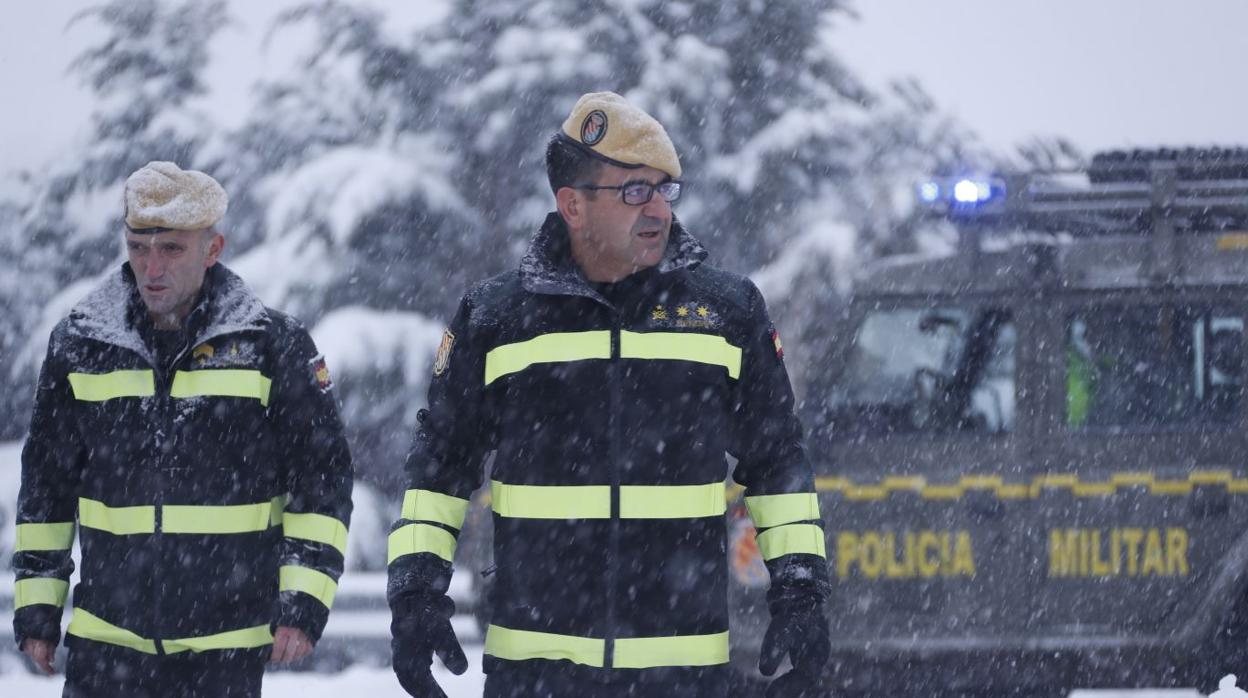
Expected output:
(519, 645)
(426, 505)
(97, 387)
(119, 521)
(630, 653)
(777, 509)
(89, 627)
(682, 346)
(45, 536)
(795, 538)
(420, 538)
(318, 528)
(222, 383)
(681, 650)
(548, 348)
(211, 519)
(672, 501)
(318, 585)
(551, 502)
(245, 638)
(28, 592)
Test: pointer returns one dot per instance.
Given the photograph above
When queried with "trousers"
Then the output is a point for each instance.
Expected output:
(553, 683)
(100, 670)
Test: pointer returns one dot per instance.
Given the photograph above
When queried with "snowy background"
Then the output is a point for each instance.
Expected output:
(382, 155)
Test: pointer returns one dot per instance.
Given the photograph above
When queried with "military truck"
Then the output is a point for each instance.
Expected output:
(1032, 455)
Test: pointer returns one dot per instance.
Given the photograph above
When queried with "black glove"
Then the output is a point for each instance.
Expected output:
(422, 626)
(798, 629)
(801, 633)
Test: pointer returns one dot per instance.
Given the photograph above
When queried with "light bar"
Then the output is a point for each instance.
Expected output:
(960, 192)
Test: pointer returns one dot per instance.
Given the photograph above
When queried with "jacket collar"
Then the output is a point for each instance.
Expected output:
(548, 267)
(113, 313)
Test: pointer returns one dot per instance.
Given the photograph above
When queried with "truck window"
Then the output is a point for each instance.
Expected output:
(928, 370)
(1153, 366)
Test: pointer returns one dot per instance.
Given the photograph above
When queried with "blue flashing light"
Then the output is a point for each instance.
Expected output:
(929, 192)
(968, 191)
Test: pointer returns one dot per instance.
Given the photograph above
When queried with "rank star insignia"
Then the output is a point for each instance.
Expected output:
(682, 311)
(659, 313)
(703, 311)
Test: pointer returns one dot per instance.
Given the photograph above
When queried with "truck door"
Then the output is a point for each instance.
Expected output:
(1143, 492)
(916, 444)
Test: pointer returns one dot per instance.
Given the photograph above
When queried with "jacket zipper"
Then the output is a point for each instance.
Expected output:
(613, 543)
(163, 388)
(164, 397)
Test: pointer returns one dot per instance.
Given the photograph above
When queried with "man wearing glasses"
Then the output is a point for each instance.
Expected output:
(609, 375)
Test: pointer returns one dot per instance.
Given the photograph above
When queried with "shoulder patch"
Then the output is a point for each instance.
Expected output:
(775, 340)
(320, 373)
(443, 358)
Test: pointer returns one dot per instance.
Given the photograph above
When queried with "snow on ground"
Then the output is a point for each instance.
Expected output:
(356, 681)
(380, 682)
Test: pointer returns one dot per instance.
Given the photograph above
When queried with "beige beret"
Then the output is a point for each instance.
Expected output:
(161, 196)
(620, 133)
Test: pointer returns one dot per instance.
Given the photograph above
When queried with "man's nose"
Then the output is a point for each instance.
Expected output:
(154, 268)
(657, 207)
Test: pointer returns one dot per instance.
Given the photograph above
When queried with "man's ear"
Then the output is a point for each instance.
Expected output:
(570, 206)
(216, 245)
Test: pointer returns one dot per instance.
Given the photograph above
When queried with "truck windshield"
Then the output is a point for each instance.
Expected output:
(1153, 366)
(927, 369)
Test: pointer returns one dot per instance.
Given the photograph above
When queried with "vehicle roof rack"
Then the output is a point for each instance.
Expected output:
(1161, 193)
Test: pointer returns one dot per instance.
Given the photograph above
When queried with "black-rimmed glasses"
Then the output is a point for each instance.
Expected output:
(640, 193)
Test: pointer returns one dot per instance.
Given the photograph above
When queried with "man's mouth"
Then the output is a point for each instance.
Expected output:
(154, 288)
(649, 234)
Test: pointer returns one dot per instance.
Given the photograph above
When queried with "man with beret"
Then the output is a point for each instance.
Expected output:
(609, 374)
(193, 436)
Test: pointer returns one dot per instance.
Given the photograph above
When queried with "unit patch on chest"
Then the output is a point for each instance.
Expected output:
(690, 315)
(227, 353)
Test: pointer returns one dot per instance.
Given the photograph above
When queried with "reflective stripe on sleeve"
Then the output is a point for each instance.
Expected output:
(682, 650)
(778, 509)
(672, 501)
(519, 645)
(318, 585)
(420, 538)
(794, 538)
(121, 521)
(426, 505)
(91, 627)
(222, 519)
(551, 502)
(98, 387)
(682, 346)
(548, 348)
(40, 590)
(222, 383)
(318, 528)
(45, 536)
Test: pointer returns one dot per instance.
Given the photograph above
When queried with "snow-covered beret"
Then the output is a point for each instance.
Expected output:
(621, 134)
(162, 196)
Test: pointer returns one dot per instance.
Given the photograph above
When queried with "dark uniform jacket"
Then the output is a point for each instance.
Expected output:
(610, 408)
(207, 473)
